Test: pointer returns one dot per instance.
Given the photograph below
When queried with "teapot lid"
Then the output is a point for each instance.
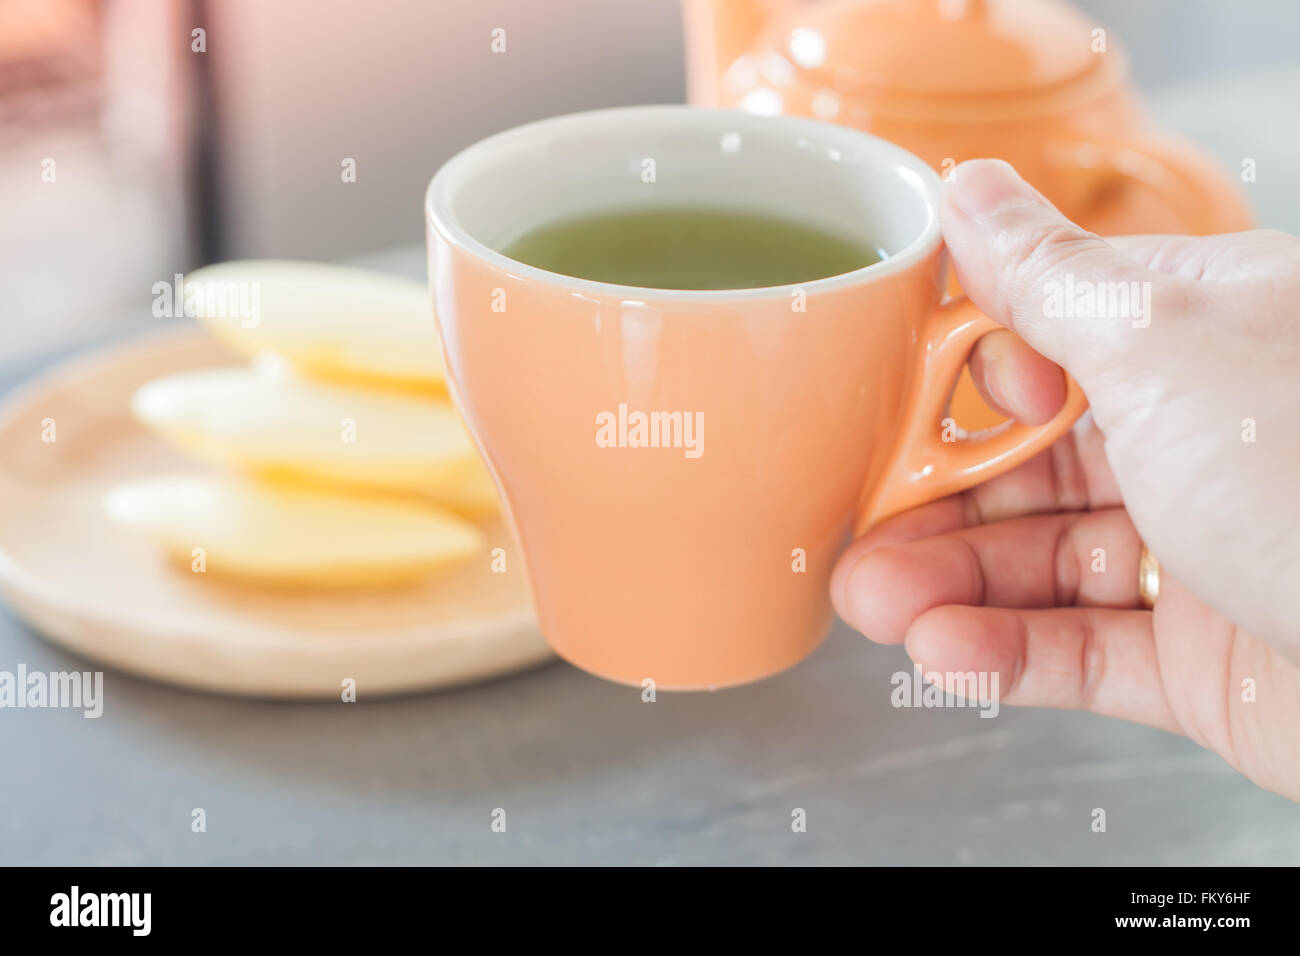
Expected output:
(913, 55)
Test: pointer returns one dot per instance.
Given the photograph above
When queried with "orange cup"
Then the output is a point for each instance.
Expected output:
(682, 468)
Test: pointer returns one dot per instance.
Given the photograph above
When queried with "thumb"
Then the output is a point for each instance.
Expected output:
(1070, 295)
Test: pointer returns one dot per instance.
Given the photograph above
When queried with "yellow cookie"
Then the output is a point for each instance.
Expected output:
(331, 321)
(290, 536)
(284, 426)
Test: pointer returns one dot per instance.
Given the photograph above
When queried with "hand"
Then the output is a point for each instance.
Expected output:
(1192, 444)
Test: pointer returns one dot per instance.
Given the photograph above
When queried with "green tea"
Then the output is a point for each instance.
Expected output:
(682, 248)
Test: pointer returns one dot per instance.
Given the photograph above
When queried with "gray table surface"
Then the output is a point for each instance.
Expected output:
(588, 773)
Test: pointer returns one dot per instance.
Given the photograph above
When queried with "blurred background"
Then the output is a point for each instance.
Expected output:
(171, 149)
(140, 138)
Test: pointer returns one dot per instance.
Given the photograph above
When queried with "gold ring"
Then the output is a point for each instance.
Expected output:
(1148, 579)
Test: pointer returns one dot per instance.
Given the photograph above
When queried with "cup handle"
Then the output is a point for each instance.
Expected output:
(923, 466)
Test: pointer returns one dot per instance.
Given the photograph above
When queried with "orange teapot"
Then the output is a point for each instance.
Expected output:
(1033, 82)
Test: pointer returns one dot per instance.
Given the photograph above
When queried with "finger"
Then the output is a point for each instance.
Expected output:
(1014, 379)
(936, 518)
(1086, 559)
(1243, 255)
(1031, 269)
(1175, 255)
(1095, 659)
(1072, 475)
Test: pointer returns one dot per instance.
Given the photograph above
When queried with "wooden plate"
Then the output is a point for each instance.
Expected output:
(102, 592)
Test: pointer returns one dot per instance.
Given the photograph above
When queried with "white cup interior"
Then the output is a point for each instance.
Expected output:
(848, 182)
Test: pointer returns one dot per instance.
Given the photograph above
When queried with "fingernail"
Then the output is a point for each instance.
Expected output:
(982, 187)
